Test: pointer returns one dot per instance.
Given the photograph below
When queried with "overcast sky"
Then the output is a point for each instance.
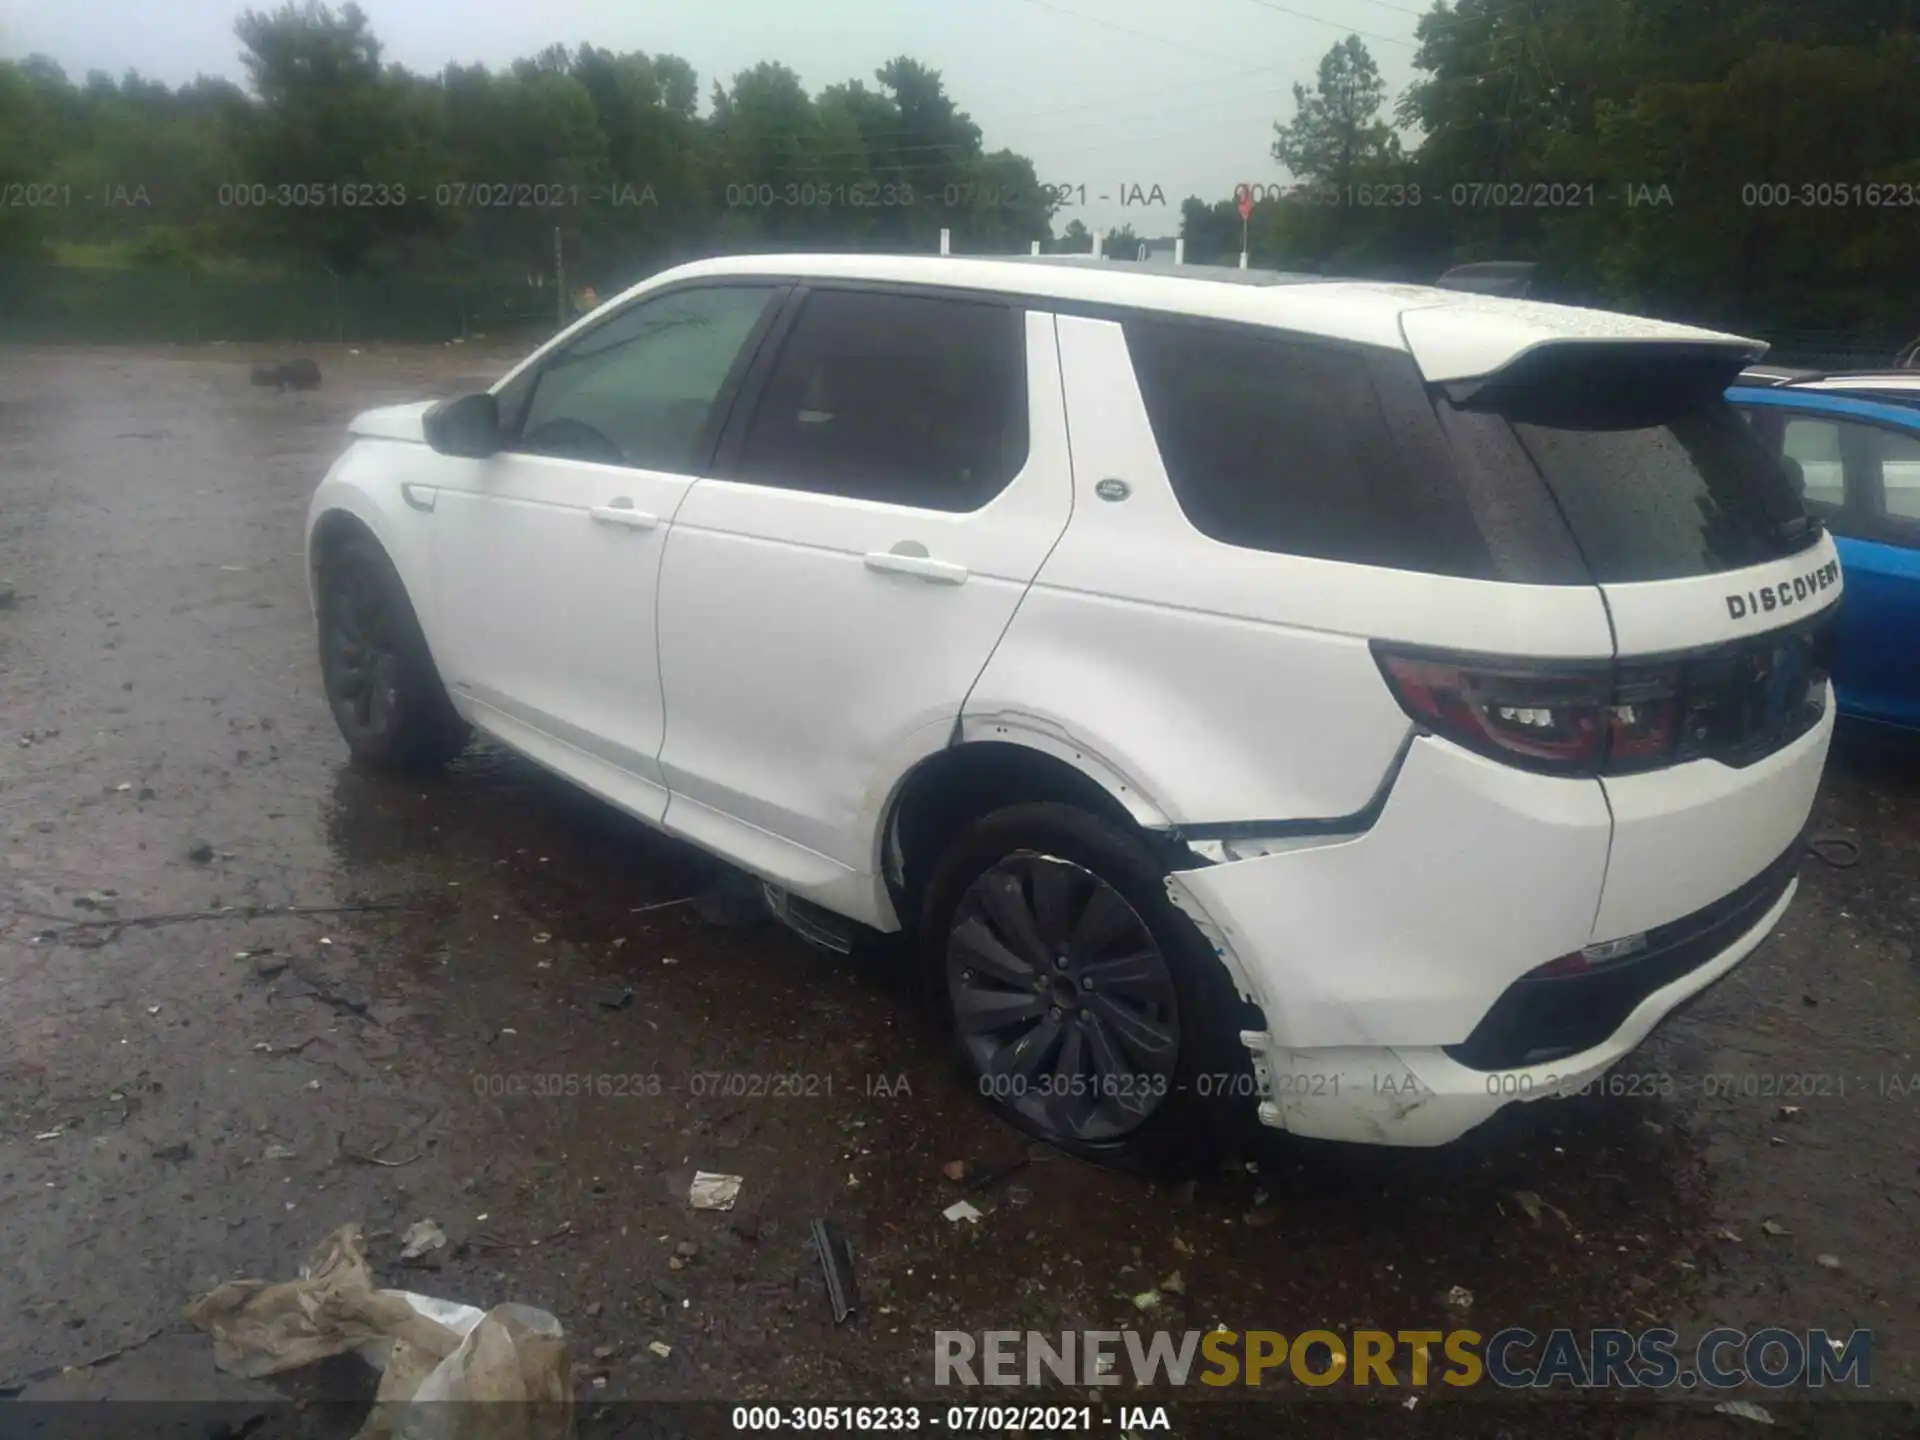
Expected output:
(1109, 94)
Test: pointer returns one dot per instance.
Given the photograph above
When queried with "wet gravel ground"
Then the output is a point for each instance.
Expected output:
(192, 1091)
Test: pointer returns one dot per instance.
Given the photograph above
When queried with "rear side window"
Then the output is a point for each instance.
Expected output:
(907, 399)
(1657, 475)
(1282, 444)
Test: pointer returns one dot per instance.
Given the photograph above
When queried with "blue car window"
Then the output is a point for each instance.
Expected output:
(1900, 475)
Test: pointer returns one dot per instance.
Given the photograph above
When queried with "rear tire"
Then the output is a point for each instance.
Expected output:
(380, 680)
(1085, 1007)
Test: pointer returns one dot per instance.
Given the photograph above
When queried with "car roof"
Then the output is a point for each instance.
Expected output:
(1897, 408)
(1907, 380)
(1452, 335)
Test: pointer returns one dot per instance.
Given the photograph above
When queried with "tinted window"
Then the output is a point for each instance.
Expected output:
(905, 399)
(1279, 444)
(639, 390)
(1657, 475)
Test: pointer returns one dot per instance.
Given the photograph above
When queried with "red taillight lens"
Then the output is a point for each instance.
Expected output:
(1560, 718)
(1643, 720)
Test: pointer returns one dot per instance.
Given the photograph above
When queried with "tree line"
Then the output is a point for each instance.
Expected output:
(1752, 163)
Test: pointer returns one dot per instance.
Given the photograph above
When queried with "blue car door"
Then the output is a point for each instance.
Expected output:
(1860, 464)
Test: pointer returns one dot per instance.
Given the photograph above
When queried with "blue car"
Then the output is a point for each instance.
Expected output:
(1854, 442)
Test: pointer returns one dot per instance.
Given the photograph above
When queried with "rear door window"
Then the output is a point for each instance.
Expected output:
(1657, 475)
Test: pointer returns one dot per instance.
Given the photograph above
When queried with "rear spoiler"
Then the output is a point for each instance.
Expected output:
(1474, 337)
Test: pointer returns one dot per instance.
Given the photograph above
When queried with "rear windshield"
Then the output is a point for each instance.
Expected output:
(1657, 476)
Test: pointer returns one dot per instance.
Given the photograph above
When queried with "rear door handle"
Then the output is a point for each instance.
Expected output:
(623, 513)
(908, 558)
(420, 497)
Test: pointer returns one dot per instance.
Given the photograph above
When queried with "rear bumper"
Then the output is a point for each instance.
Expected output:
(1392, 965)
(1424, 1096)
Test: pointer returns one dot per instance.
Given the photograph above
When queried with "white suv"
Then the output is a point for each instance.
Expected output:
(1355, 704)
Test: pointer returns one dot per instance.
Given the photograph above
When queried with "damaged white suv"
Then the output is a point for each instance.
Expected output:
(1358, 705)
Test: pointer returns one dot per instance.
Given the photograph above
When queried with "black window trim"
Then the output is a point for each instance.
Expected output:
(732, 438)
(515, 407)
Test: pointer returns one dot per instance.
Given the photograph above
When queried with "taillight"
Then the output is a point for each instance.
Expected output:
(1570, 719)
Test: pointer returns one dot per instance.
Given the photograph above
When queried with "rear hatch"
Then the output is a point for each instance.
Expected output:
(1721, 593)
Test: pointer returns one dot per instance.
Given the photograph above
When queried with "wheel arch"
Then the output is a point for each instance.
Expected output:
(950, 789)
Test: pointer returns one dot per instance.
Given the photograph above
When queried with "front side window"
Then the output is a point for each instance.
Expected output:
(640, 389)
(905, 399)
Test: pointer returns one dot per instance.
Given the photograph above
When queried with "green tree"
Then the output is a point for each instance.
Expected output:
(1121, 244)
(1337, 131)
(328, 115)
(1076, 239)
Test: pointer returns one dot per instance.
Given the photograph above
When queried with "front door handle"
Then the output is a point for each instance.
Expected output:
(621, 512)
(420, 497)
(911, 558)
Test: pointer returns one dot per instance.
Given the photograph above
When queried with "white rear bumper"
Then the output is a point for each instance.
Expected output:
(1371, 955)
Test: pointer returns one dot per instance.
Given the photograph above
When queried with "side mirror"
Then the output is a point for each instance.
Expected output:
(468, 426)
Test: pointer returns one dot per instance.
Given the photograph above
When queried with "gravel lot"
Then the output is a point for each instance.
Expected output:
(189, 1098)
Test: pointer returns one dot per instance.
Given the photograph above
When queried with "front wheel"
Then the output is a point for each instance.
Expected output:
(1085, 1007)
(381, 683)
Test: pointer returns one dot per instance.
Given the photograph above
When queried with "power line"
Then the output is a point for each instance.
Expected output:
(1137, 34)
(1350, 29)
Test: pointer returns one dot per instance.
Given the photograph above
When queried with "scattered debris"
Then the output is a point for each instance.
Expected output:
(686, 1250)
(278, 1152)
(422, 1237)
(1769, 1227)
(1147, 1300)
(1728, 1235)
(663, 1351)
(1827, 1262)
(175, 1150)
(1174, 1284)
(1744, 1410)
(431, 1351)
(954, 1170)
(288, 375)
(339, 994)
(962, 1210)
(836, 1262)
(994, 1174)
(619, 1000)
(1533, 1205)
(49, 1134)
(711, 1191)
(1459, 1298)
(1788, 1112)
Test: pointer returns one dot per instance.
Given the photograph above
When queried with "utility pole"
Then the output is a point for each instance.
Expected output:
(559, 280)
